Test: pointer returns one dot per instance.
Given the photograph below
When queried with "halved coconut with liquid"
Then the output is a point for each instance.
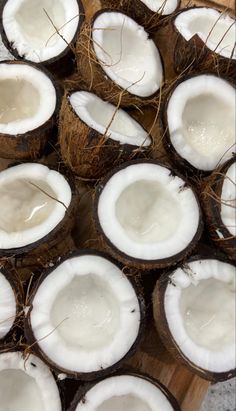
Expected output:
(148, 215)
(28, 107)
(26, 383)
(200, 119)
(194, 309)
(127, 392)
(35, 207)
(42, 31)
(10, 302)
(219, 200)
(206, 39)
(95, 135)
(118, 60)
(85, 317)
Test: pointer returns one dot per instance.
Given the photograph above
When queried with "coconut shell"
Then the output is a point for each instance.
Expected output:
(32, 144)
(194, 56)
(166, 335)
(88, 153)
(211, 201)
(29, 333)
(83, 390)
(129, 261)
(61, 65)
(94, 77)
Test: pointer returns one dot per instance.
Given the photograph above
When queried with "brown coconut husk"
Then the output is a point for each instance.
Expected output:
(195, 56)
(165, 333)
(32, 144)
(33, 343)
(61, 65)
(88, 153)
(94, 77)
(212, 201)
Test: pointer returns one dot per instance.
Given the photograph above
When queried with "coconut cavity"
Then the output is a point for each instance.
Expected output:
(228, 200)
(7, 306)
(30, 203)
(31, 26)
(160, 6)
(108, 120)
(125, 392)
(147, 213)
(200, 311)
(126, 54)
(201, 121)
(28, 98)
(216, 29)
(90, 313)
(27, 384)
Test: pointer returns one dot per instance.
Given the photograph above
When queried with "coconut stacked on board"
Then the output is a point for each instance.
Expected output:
(162, 141)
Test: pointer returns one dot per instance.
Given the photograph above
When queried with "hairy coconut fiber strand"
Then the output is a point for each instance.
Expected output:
(87, 152)
(212, 203)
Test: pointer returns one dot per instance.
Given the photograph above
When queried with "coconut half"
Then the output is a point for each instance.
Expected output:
(125, 393)
(200, 118)
(95, 135)
(28, 107)
(194, 309)
(148, 216)
(26, 383)
(85, 316)
(34, 202)
(41, 31)
(8, 304)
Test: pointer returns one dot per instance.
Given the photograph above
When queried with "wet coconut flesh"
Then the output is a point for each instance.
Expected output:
(89, 312)
(216, 29)
(126, 54)
(27, 384)
(28, 98)
(29, 26)
(147, 214)
(127, 393)
(8, 306)
(107, 120)
(199, 306)
(33, 202)
(201, 121)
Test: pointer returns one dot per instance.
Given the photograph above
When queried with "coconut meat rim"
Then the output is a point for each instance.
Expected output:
(28, 98)
(216, 29)
(89, 312)
(147, 213)
(162, 7)
(228, 201)
(30, 27)
(124, 392)
(105, 118)
(7, 306)
(26, 383)
(201, 120)
(199, 305)
(126, 53)
(29, 209)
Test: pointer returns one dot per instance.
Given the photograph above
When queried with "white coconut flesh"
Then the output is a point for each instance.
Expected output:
(147, 213)
(201, 120)
(40, 29)
(108, 120)
(217, 30)
(163, 7)
(200, 310)
(7, 306)
(228, 200)
(27, 384)
(28, 98)
(126, 53)
(85, 314)
(124, 393)
(34, 200)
